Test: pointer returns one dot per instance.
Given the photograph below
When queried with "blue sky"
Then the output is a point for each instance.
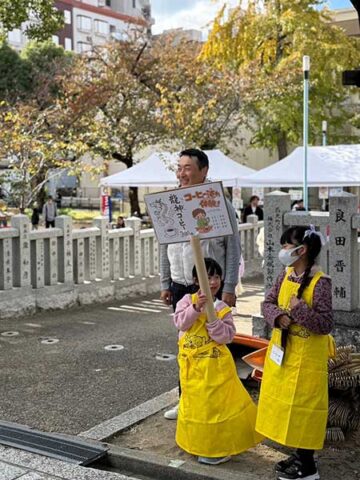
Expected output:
(198, 13)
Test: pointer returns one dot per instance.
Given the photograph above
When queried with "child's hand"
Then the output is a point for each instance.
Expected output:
(294, 301)
(283, 321)
(201, 302)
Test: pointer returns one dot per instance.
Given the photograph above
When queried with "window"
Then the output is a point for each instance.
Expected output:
(68, 44)
(67, 16)
(83, 47)
(108, 3)
(134, 3)
(102, 28)
(15, 36)
(84, 23)
(55, 39)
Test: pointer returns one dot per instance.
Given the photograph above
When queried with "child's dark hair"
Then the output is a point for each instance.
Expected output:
(296, 236)
(212, 268)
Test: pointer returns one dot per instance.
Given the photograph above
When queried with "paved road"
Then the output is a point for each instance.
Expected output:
(74, 384)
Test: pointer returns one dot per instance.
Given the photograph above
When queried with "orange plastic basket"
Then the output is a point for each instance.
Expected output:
(256, 359)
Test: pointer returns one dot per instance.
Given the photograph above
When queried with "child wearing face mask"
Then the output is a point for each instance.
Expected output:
(293, 403)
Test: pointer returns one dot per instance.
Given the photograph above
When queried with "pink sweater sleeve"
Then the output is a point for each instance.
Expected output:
(185, 314)
(222, 331)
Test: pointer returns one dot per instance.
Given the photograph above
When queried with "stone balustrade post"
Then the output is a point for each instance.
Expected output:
(115, 258)
(65, 249)
(135, 245)
(38, 262)
(275, 206)
(6, 261)
(155, 256)
(343, 252)
(22, 273)
(102, 248)
(253, 219)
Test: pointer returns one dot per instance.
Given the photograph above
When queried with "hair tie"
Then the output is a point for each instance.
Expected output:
(311, 231)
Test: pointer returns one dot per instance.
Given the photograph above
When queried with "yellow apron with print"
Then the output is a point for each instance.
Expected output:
(216, 414)
(293, 403)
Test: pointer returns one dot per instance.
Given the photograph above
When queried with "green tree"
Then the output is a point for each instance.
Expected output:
(32, 141)
(108, 104)
(264, 43)
(48, 63)
(15, 75)
(130, 94)
(31, 137)
(199, 103)
(34, 73)
(43, 18)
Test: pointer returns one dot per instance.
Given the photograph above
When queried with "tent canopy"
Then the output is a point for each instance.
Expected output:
(159, 171)
(331, 166)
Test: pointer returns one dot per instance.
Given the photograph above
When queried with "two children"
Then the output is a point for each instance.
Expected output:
(216, 415)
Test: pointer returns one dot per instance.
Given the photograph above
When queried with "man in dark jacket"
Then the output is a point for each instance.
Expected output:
(253, 209)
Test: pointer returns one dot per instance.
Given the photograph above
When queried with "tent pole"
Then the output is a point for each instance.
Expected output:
(306, 69)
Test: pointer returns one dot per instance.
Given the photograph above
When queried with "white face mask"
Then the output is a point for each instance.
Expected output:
(286, 257)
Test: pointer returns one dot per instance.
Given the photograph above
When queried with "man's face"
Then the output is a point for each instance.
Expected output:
(189, 173)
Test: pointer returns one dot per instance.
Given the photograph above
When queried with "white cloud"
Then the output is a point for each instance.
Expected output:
(198, 17)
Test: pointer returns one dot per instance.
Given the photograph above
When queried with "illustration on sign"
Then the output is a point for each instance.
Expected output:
(199, 209)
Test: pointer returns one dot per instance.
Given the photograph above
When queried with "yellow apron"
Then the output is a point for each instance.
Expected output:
(293, 403)
(216, 414)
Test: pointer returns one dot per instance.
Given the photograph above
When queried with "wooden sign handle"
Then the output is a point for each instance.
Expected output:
(203, 277)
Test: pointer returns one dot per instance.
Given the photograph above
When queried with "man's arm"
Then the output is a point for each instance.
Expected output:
(232, 255)
(165, 276)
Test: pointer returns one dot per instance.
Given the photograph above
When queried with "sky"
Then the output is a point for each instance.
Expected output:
(198, 13)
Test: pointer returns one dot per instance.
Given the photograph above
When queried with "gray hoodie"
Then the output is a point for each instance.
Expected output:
(49, 211)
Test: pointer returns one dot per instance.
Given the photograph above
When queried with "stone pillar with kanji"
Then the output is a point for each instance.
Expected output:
(275, 206)
(343, 252)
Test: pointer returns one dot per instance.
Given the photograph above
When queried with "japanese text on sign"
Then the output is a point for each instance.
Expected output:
(200, 209)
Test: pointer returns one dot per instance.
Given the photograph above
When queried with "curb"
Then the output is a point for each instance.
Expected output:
(148, 464)
(160, 467)
(109, 428)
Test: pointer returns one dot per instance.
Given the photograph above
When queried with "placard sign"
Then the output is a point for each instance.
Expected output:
(200, 209)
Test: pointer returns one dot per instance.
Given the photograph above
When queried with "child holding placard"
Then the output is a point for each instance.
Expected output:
(216, 414)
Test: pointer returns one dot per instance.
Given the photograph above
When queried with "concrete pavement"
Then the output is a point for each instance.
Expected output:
(61, 371)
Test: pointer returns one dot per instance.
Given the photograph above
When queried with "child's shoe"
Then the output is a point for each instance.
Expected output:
(299, 471)
(284, 464)
(213, 460)
(172, 414)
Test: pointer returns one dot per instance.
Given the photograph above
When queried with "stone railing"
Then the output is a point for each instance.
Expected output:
(62, 266)
(339, 257)
(248, 235)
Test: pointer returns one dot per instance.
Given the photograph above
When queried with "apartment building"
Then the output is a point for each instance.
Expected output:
(93, 22)
(183, 34)
(348, 20)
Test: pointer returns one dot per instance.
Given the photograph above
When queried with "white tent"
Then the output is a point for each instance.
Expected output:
(159, 171)
(331, 166)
